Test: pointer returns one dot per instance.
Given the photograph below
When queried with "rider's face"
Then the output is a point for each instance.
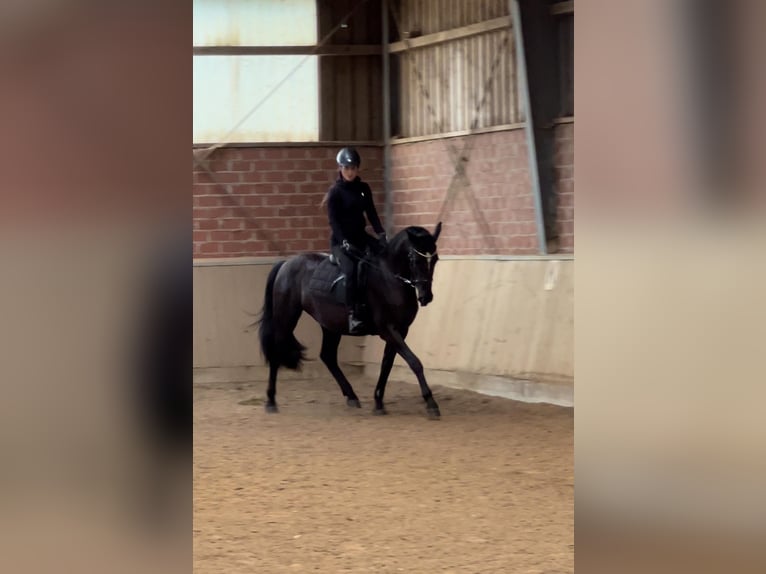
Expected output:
(349, 172)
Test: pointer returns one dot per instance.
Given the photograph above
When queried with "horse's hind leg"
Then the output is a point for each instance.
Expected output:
(329, 356)
(287, 351)
(271, 392)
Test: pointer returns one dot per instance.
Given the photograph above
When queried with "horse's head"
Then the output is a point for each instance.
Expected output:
(422, 259)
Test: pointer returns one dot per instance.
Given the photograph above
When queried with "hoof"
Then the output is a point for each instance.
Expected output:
(271, 408)
(434, 414)
(381, 411)
(354, 403)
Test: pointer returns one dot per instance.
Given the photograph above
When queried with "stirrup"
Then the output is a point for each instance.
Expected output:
(355, 326)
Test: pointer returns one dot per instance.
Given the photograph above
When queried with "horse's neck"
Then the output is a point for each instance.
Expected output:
(398, 260)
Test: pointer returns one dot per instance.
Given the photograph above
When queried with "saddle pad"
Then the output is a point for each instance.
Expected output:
(324, 277)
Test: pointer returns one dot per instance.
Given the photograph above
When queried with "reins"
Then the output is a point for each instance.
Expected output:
(354, 252)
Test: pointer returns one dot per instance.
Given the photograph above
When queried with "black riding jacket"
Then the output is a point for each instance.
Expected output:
(347, 204)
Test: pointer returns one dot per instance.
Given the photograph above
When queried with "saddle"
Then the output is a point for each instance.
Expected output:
(329, 281)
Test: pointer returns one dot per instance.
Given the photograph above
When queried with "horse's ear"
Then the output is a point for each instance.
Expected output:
(437, 231)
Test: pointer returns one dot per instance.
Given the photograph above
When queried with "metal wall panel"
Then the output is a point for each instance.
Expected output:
(228, 88)
(350, 89)
(566, 64)
(461, 84)
(363, 27)
(431, 16)
(248, 23)
(350, 95)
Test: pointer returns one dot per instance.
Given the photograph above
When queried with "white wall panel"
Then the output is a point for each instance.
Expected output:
(226, 88)
(255, 23)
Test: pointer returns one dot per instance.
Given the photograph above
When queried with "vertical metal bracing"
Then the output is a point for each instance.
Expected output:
(534, 174)
(389, 202)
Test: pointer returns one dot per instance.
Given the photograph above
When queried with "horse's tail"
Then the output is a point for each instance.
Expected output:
(289, 353)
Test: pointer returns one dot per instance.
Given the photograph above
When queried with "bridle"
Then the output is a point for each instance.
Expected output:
(411, 282)
(427, 255)
(415, 282)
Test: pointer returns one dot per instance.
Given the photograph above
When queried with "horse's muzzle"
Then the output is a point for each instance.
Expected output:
(425, 299)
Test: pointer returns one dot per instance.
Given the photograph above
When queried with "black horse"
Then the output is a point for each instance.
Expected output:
(397, 280)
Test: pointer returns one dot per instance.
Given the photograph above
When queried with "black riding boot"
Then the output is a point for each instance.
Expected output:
(348, 267)
(355, 323)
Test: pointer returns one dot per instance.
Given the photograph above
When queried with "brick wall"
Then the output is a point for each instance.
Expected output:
(493, 215)
(564, 177)
(274, 204)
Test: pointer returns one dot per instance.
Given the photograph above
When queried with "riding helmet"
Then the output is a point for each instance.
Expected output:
(348, 156)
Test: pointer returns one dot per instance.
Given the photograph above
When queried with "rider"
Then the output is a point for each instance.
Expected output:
(348, 200)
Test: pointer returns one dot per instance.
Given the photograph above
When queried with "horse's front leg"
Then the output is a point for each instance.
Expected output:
(397, 341)
(389, 354)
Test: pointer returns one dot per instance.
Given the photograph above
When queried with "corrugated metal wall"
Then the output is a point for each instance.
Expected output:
(566, 64)
(351, 94)
(462, 83)
(351, 87)
(430, 16)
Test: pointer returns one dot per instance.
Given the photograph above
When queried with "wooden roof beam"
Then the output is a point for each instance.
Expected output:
(326, 50)
(454, 34)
